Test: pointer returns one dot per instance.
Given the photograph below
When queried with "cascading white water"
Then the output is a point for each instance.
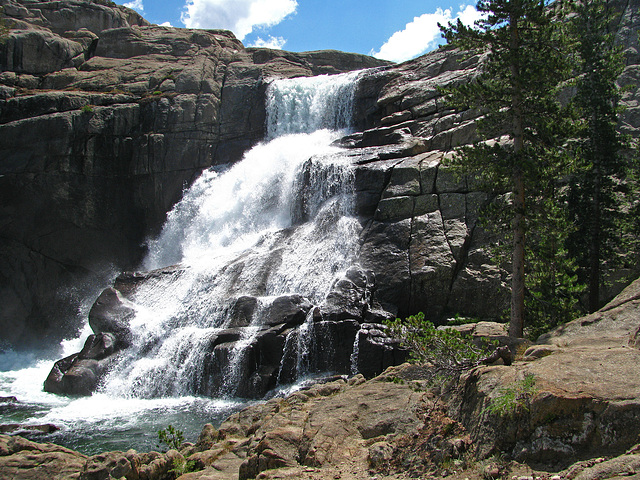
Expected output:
(278, 222)
(304, 105)
(355, 352)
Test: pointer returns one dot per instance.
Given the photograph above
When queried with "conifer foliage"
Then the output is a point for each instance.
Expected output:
(517, 92)
(597, 196)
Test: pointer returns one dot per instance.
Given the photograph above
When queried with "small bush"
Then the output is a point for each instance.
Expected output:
(448, 350)
(87, 109)
(170, 437)
(514, 397)
(182, 466)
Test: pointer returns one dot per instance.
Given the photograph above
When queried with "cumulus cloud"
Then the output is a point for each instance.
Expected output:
(239, 16)
(135, 5)
(166, 24)
(422, 34)
(272, 42)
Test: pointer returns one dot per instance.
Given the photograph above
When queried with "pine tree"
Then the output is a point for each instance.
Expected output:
(596, 201)
(517, 93)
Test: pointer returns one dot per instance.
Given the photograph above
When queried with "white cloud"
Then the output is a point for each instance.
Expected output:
(135, 5)
(422, 34)
(272, 42)
(239, 16)
(166, 24)
(469, 15)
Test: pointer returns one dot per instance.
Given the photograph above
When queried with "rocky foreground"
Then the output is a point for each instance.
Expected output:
(574, 413)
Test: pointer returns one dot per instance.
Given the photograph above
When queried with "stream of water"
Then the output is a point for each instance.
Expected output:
(277, 222)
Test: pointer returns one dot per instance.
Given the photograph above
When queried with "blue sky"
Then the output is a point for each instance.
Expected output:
(395, 30)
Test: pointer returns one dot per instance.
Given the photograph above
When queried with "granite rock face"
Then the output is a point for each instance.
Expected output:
(586, 396)
(104, 120)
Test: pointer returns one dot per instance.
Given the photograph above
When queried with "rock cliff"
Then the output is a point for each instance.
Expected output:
(104, 119)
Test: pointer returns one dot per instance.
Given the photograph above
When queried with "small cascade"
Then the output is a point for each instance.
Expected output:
(304, 343)
(237, 355)
(355, 352)
(307, 104)
(297, 354)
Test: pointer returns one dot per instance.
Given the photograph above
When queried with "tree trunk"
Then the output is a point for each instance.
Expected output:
(516, 325)
(594, 247)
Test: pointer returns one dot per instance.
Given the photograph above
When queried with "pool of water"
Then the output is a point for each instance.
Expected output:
(100, 422)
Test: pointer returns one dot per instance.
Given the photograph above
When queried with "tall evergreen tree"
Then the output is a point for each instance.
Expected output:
(596, 201)
(517, 93)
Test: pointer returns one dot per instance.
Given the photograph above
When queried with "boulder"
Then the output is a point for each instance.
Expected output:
(350, 297)
(53, 382)
(577, 407)
(376, 350)
(286, 309)
(98, 347)
(111, 314)
(277, 448)
(242, 311)
(208, 436)
(80, 373)
(14, 428)
(110, 465)
(22, 459)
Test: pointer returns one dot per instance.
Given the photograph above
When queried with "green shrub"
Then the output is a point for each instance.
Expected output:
(514, 397)
(448, 350)
(87, 109)
(170, 437)
(182, 466)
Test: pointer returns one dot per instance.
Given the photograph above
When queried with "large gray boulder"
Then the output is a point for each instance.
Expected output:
(111, 314)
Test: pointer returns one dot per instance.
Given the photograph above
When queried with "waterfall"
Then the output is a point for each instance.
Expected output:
(272, 231)
(278, 222)
(307, 104)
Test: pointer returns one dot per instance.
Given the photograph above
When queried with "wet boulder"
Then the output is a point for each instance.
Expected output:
(241, 312)
(98, 346)
(81, 378)
(111, 314)
(53, 382)
(350, 297)
(80, 373)
(289, 309)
